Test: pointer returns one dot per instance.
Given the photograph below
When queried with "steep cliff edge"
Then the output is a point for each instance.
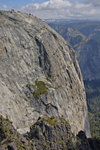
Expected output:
(39, 74)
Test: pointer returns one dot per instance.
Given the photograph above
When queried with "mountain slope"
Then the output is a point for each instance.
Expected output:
(39, 74)
(89, 57)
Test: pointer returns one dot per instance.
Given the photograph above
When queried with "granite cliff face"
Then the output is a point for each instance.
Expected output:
(39, 74)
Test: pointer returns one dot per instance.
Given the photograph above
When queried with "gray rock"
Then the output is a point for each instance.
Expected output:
(39, 74)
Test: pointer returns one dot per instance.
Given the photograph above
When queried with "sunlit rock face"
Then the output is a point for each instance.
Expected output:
(39, 74)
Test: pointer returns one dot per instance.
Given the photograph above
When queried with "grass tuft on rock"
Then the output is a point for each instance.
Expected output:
(38, 89)
(50, 120)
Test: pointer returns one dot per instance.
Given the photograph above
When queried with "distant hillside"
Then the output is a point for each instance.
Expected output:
(84, 36)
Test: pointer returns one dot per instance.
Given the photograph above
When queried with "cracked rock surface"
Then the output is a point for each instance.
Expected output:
(39, 74)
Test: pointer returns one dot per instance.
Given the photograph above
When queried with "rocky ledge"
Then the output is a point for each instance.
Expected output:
(47, 133)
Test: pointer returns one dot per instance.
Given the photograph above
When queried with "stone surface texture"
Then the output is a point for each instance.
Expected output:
(39, 74)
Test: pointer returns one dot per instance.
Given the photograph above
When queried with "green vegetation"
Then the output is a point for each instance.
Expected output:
(54, 121)
(50, 120)
(9, 135)
(38, 89)
(5, 134)
(93, 101)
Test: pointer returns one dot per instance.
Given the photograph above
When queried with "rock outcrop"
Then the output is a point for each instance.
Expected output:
(47, 133)
(39, 74)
